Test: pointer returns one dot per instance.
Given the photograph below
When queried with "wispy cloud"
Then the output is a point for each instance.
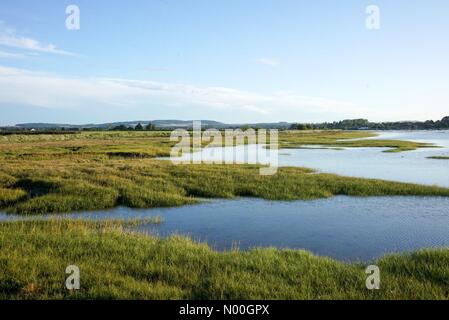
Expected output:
(52, 91)
(268, 62)
(9, 38)
(30, 44)
(10, 55)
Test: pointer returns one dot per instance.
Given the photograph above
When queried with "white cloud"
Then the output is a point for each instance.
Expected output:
(10, 55)
(253, 108)
(268, 62)
(9, 38)
(51, 91)
(30, 44)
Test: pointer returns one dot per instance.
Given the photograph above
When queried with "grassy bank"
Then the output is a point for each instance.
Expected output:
(100, 170)
(439, 158)
(65, 185)
(116, 264)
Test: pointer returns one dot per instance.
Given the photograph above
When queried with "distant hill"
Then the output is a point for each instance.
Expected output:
(162, 124)
(349, 124)
(158, 123)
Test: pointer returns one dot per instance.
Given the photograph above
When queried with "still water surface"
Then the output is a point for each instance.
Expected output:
(345, 228)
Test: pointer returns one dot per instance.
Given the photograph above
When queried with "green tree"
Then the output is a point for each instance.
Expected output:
(300, 126)
(120, 128)
(150, 127)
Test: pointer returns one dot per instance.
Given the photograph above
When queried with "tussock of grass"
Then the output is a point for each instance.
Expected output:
(10, 197)
(115, 264)
(6, 180)
(59, 196)
(141, 221)
(137, 197)
(54, 203)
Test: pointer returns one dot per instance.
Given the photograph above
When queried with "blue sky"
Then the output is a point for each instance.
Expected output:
(233, 61)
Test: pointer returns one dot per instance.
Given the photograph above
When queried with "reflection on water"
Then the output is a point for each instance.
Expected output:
(346, 228)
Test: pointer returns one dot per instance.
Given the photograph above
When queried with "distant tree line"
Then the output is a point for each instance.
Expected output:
(73, 130)
(364, 124)
(138, 127)
(350, 124)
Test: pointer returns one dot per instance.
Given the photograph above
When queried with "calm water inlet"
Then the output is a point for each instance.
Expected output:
(409, 166)
(345, 228)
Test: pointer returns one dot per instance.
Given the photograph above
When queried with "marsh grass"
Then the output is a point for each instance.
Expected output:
(136, 145)
(42, 174)
(134, 222)
(10, 197)
(153, 183)
(439, 158)
(117, 264)
(99, 170)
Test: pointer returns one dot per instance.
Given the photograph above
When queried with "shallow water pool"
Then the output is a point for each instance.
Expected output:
(345, 228)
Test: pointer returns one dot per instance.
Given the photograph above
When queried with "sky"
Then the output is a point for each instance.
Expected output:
(234, 61)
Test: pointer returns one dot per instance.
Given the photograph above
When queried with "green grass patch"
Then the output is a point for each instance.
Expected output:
(117, 264)
(6, 180)
(61, 185)
(10, 197)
